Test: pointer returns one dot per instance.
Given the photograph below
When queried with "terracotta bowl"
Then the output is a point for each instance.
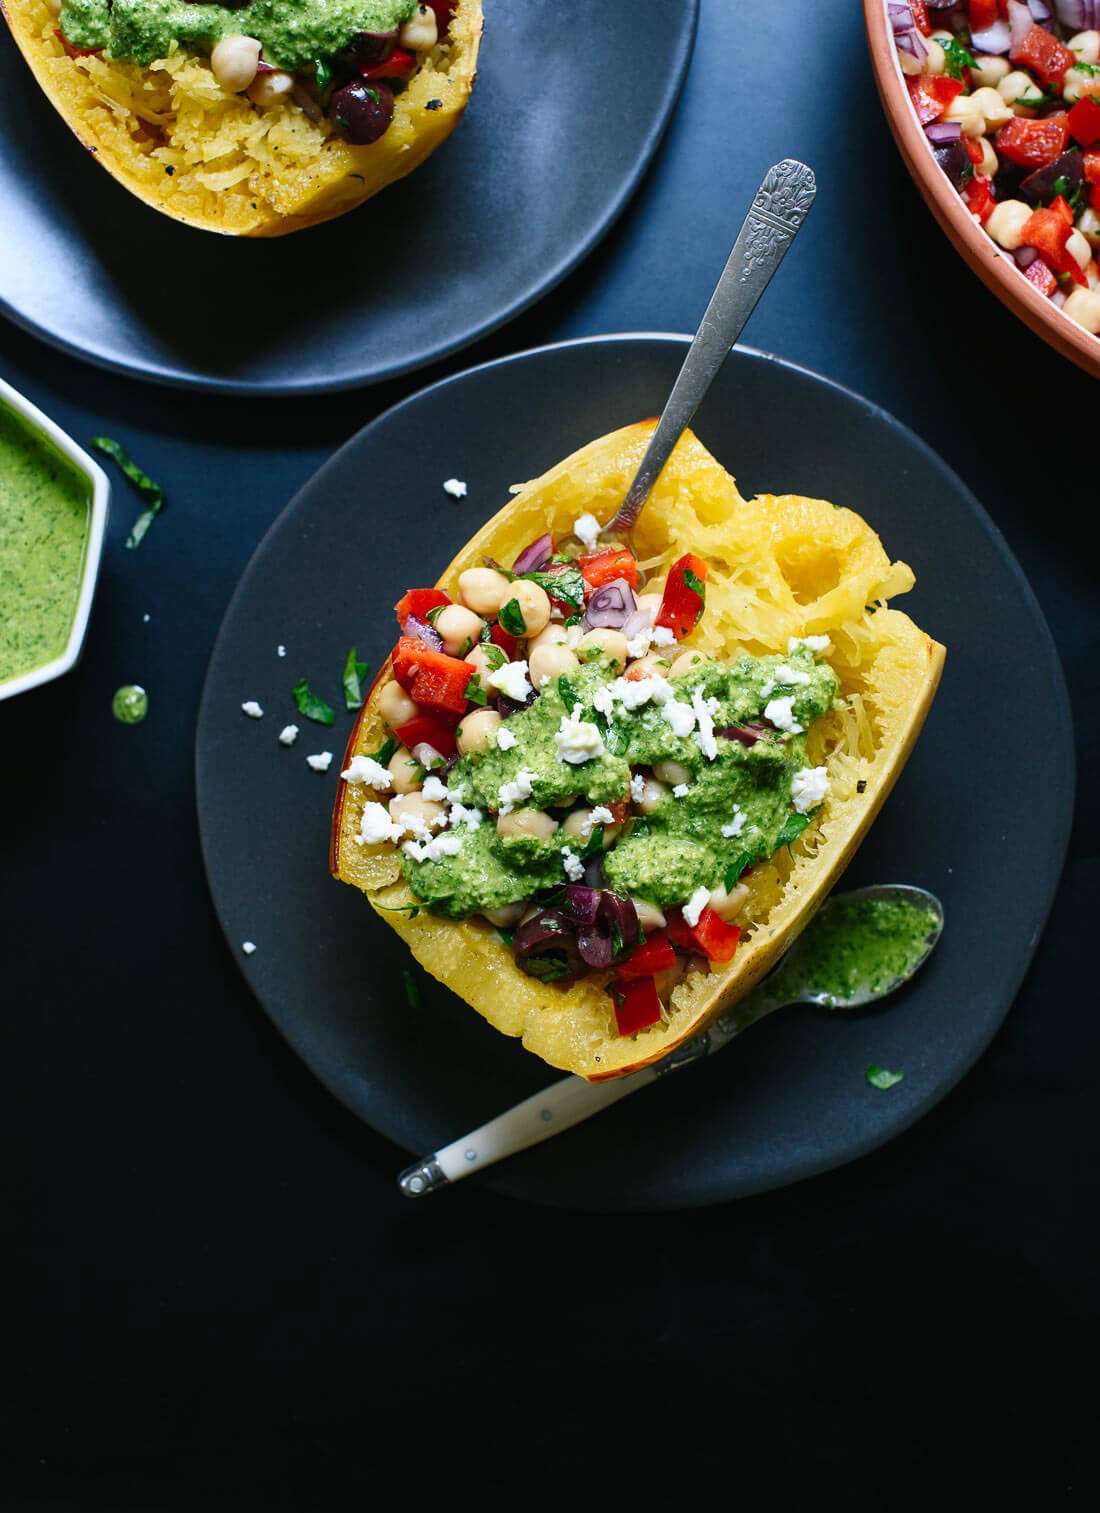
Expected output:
(995, 268)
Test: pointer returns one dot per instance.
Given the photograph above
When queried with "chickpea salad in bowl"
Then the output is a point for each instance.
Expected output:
(1008, 95)
(562, 770)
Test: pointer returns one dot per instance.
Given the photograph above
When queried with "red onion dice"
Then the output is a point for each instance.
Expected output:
(1020, 22)
(611, 606)
(994, 39)
(422, 631)
(534, 556)
(1078, 15)
(940, 132)
(748, 735)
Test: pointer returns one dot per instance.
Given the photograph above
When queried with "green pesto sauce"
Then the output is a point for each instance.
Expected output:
(130, 704)
(293, 32)
(45, 507)
(665, 856)
(862, 945)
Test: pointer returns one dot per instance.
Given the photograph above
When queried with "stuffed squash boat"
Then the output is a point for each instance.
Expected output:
(598, 793)
(256, 117)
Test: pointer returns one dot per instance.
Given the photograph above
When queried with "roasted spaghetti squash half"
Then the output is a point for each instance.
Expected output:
(777, 569)
(215, 128)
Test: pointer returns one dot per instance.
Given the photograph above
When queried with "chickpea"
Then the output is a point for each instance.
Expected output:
(1077, 83)
(533, 603)
(404, 769)
(1087, 47)
(459, 627)
(989, 70)
(506, 916)
(529, 822)
(989, 164)
(420, 32)
(548, 663)
(1079, 249)
(1088, 224)
(649, 604)
(969, 116)
(649, 916)
(610, 643)
(934, 62)
(234, 62)
(994, 109)
(554, 635)
(728, 905)
(652, 794)
(475, 731)
(485, 659)
(687, 661)
(1083, 306)
(565, 803)
(269, 89)
(652, 664)
(395, 706)
(1015, 84)
(1007, 222)
(483, 590)
(672, 773)
(578, 826)
(417, 813)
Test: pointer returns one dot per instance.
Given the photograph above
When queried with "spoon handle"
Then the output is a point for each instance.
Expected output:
(778, 212)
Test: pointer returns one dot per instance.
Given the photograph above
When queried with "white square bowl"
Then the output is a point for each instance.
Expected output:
(93, 553)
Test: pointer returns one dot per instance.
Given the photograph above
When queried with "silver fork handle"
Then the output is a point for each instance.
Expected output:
(778, 212)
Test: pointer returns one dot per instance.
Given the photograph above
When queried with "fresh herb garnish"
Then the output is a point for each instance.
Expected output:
(567, 587)
(1074, 197)
(152, 493)
(433, 615)
(547, 968)
(956, 57)
(697, 586)
(412, 989)
(494, 655)
(311, 706)
(511, 618)
(507, 936)
(475, 693)
(573, 620)
(793, 827)
(594, 844)
(569, 695)
(735, 869)
(322, 72)
(385, 751)
(412, 909)
(616, 939)
(354, 673)
(879, 1077)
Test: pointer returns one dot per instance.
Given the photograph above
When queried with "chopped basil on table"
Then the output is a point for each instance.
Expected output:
(310, 706)
(150, 491)
(354, 673)
(879, 1077)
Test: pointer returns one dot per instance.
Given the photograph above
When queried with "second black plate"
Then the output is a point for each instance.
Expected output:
(558, 133)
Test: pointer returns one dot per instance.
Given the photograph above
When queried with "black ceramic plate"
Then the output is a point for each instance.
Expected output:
(790, 1098)
(560, 129)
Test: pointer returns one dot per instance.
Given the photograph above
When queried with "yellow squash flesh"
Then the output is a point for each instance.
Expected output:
(779, 567)
(185, 146)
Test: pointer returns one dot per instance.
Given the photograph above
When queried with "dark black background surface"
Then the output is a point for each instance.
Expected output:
(215, 1298)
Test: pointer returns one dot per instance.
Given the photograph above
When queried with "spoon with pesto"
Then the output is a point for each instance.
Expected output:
(858, 949)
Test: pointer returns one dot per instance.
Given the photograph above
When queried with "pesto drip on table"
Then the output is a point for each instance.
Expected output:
(346, 59)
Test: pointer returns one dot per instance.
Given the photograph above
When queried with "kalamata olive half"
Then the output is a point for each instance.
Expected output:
(363, 111)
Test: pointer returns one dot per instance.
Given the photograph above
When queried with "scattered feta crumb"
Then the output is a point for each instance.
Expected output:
(433, 850)
(434, 791)
(252, 709)
(321, 762)
(506, 738)
(280, 651)
(637, 787)
(544, 681)
(456, 488)
(376, 826)
(632, 693)
(809, 787)
(364, 769)
(680, 717)
(247, 946)
(681, 791)
(511, 680)
(145, 621)
(767, 688)
(460, 815)
(780, 713)
(704, 712)
(601, 815)
(288, 735)
(695, 905)
(790, 677)
(736, 824)
(577, 741)
(639, 645)
(811, 643)
(574, 867)
(516, 791)
(587, 529)
(662, 636)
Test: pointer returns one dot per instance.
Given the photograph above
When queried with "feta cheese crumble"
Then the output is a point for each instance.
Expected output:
(376, 826)
(577, 741)
(248, 946)
(460, 815)
(433, 850)
(790, 677)
(252, 710)
(280, 651)
(456, 488)
(513, 793)
(587, 529)
(637, 787)
(809, 787)
(780, 713)
(511, 680)
(601, 815)
(736, 824)
(288, 735)
(434, 791)
(705, 710)
(506, 738)
(681, 791)
(321, 762)
(695, 905)
(662, 636)
(574, 867)
(364, 769)
(680, 717)
(811, 643)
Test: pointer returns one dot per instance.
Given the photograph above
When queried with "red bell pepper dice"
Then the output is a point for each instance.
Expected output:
(1092, 167)
(500, 637)
(431, 677)
(1048, 232)
(404, 658)
(920, 17)
(1041, 51)
(400, 64)
(978, 197)
(1084, 121)
(1039, 274)
(435, 726)
(1033, 144)
(604, 567)
(682, 604)
(711, 937)
(419, 602)
(656, 955)
(636, 1004)
(973, 150)
(983, 13)
(931, 94)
